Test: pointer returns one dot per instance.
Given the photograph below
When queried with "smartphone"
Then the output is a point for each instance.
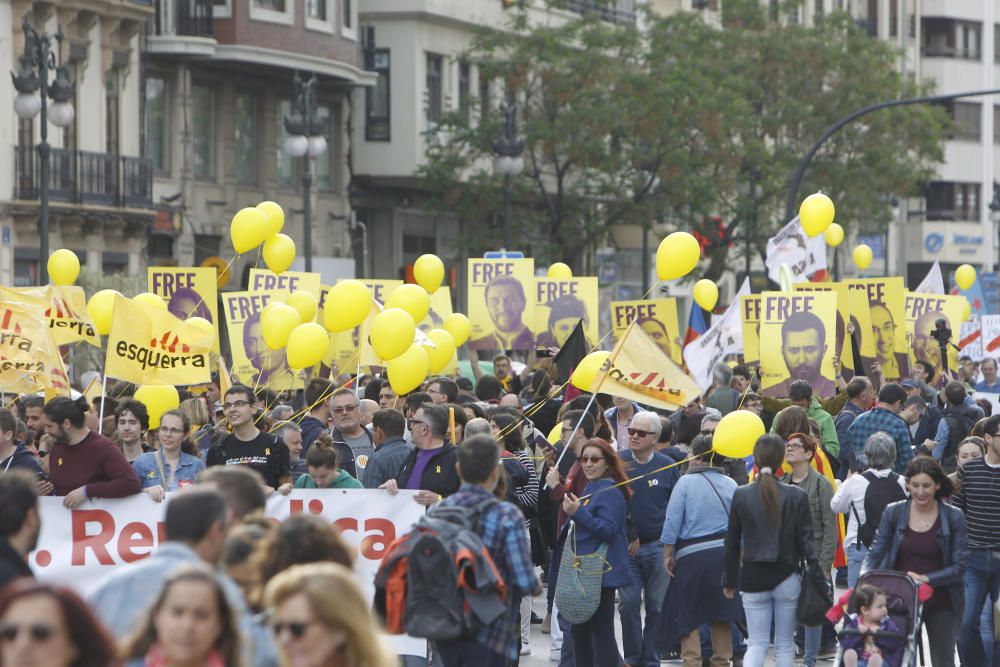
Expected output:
(543, 352)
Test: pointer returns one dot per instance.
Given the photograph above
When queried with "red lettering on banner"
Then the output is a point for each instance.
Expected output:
(378, 535)
(98, 542)
(135, 535)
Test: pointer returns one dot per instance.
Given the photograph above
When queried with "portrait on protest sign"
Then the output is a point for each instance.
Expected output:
(253, 362)
(750, 317)
(265, 280)
(439, 312)
(842, 350)
(805, 323)
(499, 306)
(860, 324)
(345, 346)
(924, 314)
(887, 309)
(656, 317)
(559, 305)
(189, 292)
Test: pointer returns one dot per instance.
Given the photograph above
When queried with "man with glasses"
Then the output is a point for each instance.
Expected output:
(653, 482)
(247, 445)
(352, 441)
(442, 390)
(430, 467)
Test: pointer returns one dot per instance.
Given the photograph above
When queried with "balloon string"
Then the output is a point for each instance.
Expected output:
(638, 477)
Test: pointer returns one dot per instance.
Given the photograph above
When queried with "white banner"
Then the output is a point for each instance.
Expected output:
(803, 255)
(970, 340)
(79, 548)
(991, 336)
(725, 336)
(933, 282)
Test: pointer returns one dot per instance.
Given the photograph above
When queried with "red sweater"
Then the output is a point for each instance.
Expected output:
(575, 483)
(96, 462)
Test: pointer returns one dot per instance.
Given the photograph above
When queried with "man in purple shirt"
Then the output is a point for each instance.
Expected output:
(430, 467)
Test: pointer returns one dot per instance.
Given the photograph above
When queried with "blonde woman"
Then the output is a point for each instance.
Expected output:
(318, 619)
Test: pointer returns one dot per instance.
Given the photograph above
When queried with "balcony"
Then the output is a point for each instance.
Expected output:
(612, 12)
(182, 27)
(85, 177)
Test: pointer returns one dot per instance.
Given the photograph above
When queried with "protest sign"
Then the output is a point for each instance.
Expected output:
(842, 351)
(499, 307)
(253, 362)
(189, 292)
(65, 308)
(970, 340)
(887, 311)
(723, 338)
(656, 317)
(750, 317)
(923, 312)
(559, 305)
(991, 336)
(791, 247)
(265, 280)
(800, 328)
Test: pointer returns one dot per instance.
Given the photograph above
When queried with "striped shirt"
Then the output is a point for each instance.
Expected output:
(979, 498)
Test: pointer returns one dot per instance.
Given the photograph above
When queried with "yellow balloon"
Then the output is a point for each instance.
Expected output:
(275, 217)
(677, 256)
(834, 235)
(202, 324)
(966, 311)
(737, 433)
(158, 398)
(347, 305)
(560, 271)
(64, 267)
(149, 301)
(392, 333)
(304, 303)
(459, 326)
(248, 229)
(444, 350)
(706, 294)
(101, 307)
(279, 253)
(965, 276)
(863, 256)
(428, 271)
(816, 214)
(307, 345)
(586, 371)
(408, 369)
(276, 323)
(414, 299)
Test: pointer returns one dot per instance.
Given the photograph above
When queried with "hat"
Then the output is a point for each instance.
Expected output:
(909, 384)
(218, 406)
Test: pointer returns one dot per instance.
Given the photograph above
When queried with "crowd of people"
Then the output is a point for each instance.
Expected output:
(702, 557)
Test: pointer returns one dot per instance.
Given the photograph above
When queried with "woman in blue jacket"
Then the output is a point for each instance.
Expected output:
(926, 538)
(596, 518)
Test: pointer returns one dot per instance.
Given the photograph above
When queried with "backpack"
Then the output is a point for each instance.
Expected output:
(439, 581)
(881, 492)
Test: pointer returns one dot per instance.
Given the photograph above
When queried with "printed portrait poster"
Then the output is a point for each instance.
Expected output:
(559, 305)
(860, 318)
(345, 345)
(887, 308)
(750, 315)
(801, 330)
(253, 362)
(439, 312)
(656, 317)
(971, 340)
(265, 280)
(501, 307)
(991, 336)
(840, 289)
(922, 313)
(189, 292)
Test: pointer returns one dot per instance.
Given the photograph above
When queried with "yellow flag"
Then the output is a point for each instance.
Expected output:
(225, 381)
(93, 390)
(65, 308)
(29, 359)
(639, 370)
(154, 347)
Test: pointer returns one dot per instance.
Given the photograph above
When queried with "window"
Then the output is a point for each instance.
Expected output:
(893, 18)
(158, 123)
(271, 5)
(484, 96)
(246, 138)
(112, 109)
(947, 200)
(286, 163)
(203, 131)
(114, 263)
(996, 43)
(323, 171)
(315, 9)
(464, 89)
(435, 89)
(948, 38)
(996, 125)
(348, 15)
(967, 117)
(377, 111)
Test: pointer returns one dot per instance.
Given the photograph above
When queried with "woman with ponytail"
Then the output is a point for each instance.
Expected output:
(324, 468)
(769, 538)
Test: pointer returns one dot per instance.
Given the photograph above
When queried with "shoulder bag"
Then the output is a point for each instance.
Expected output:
(578, 585)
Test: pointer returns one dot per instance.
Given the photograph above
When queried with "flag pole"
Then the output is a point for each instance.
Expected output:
(100, 418)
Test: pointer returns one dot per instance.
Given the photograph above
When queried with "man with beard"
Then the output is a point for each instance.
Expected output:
(20, 524)
(84, 464)
(657, 333)
(925, 346)
(269, 363)
(803, 345)
(505, 302)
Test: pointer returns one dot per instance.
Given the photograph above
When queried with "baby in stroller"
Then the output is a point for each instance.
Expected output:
(870, 637)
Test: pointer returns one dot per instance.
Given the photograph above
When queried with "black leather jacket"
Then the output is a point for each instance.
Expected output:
(750, 527)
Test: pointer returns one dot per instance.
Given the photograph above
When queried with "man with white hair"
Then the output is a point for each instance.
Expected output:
(477, 426)
(653, 482)
(368, 410)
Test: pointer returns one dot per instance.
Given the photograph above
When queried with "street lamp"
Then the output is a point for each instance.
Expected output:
(304, 140)
(508, 161)
(33, 77)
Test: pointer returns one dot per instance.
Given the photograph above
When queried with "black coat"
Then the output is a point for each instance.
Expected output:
(12, 565)
(440, 475)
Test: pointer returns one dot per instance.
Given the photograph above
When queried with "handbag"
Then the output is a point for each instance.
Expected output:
(578, 585)
(815, 598)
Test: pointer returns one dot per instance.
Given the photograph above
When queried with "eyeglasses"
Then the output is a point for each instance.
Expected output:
(794, 445)
(591, 459)
(706, 431)
(235, 404)
(297, 629)
(411, 422)
(639, 432)
(170, 429)
(567, 429)
(341, 409)
(39, 632)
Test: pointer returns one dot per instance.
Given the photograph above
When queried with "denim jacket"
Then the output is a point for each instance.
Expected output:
(952, 540)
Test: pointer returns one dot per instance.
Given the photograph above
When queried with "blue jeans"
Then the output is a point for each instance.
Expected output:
(761, 608)
(648, 576)
(855, 559)
(813, 638)
(468, 653)
(982, 581)
(991, 647)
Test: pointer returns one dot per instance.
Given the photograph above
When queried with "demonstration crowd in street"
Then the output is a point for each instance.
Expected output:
(703, 555)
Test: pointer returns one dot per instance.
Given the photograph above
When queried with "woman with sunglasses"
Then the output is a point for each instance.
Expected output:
(176, 464)
(598, 517)
(191, 624)
(50, 626)
(320, 618)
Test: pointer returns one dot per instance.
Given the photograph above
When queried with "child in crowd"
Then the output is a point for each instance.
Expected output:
(869, 647)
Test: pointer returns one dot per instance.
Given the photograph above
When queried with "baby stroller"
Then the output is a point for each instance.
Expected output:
(903, 601)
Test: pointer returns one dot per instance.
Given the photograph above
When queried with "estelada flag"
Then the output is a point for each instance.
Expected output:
(638, 369)
(65, 308)
(154, 347)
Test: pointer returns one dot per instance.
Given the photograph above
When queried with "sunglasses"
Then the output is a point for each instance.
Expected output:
(639, 432)
(297, 629)
(591, 459)
(341, 409)
(39, 632)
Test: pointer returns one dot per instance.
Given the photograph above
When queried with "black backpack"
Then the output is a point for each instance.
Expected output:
(881, 492)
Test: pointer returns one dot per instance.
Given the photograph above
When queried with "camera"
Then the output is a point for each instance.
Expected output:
(942, 332)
